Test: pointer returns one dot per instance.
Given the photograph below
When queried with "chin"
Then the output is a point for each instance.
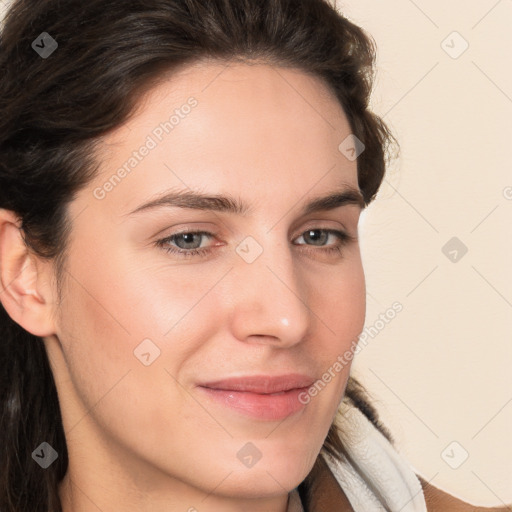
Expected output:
(258, 483)
(277, 470)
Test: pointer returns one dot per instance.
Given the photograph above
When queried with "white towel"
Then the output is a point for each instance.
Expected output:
(378, 478)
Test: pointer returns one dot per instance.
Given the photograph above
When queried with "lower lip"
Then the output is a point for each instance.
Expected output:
(265, 407)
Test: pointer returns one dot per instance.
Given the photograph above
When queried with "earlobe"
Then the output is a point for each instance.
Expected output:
(24, 284)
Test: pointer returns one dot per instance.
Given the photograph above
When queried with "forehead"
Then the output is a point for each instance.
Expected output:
(225, 126)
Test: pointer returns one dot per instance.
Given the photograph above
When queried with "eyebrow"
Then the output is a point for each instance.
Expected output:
(229, 204)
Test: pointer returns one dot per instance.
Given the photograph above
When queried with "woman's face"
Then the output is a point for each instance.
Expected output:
(150, 316)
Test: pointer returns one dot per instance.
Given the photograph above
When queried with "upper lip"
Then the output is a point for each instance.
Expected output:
(263, 384)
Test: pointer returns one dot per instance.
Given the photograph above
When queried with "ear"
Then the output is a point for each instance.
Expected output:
(25, 290)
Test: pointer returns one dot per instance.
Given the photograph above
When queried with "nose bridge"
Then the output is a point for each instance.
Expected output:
(269, 298)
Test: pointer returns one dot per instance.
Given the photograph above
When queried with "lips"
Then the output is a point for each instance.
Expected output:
(268, 398)
(262, 384)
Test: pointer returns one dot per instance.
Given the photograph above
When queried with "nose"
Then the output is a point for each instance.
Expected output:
(269, 298)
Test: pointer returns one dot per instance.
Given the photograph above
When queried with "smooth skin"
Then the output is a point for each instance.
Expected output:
(145, 437)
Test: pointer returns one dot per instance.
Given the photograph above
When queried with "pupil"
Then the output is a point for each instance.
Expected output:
(316, 234)
(188, 238)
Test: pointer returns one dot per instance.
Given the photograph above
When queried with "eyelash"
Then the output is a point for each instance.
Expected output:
(344, 239)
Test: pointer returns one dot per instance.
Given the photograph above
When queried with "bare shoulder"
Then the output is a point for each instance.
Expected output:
(440, 501)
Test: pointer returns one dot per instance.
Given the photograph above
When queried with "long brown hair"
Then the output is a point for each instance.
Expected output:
(55, 107)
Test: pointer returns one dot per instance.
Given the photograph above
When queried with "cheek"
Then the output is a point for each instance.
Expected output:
(100, 329)
(96, 339)
(116, 309)
(340, 301)
(128, 299)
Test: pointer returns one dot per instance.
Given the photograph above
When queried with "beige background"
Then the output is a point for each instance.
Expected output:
(440, 371)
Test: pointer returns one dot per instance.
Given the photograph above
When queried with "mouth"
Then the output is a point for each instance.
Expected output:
(261, 397)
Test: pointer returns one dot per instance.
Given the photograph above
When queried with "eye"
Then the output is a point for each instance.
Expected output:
(189, 243)
(319, 237)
